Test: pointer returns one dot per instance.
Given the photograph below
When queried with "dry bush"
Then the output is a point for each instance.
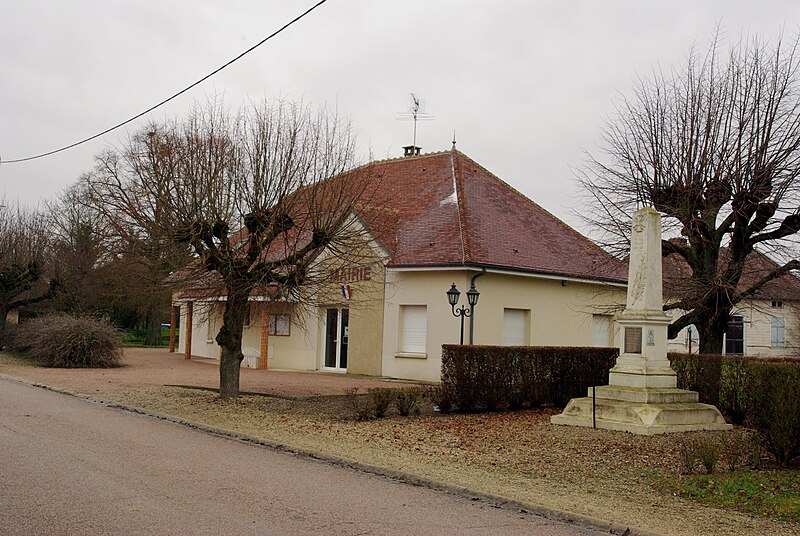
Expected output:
(362, 407)
(407, 400)
(381, 398)
(64, 341)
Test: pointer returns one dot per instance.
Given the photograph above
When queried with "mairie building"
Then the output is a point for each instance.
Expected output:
(431, 221)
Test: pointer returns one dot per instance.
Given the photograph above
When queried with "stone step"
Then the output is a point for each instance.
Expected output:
(663, 395)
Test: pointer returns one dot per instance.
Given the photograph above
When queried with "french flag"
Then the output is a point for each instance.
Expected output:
(346, 292)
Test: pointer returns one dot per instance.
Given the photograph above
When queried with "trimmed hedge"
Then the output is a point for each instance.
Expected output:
(759, 392)
(476, 378)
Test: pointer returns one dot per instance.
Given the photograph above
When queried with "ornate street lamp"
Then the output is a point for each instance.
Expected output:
(472, 299)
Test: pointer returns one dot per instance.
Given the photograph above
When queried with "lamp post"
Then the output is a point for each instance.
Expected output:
(472, 298)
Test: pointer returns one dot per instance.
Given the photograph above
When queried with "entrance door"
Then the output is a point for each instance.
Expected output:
(336, 336)
(734, 336)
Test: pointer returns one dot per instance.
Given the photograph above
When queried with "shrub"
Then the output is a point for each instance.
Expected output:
(362, 409)
(760, 392)
(65, 341)
(478, 378)
(441, 398)
(688, 456)
(381, 398)
(10, 337)
(407, 400)
(775, 409)
(707, 451)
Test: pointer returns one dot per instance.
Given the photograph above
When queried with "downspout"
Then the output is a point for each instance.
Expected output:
(472, 316)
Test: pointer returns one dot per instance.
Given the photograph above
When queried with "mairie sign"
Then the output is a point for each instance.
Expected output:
(350, 274)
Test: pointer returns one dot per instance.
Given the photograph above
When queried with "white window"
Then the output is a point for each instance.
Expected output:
(515, 327)
(777, 304)
(279, 325)
(413, 329)
(601, 330)
(778, 332)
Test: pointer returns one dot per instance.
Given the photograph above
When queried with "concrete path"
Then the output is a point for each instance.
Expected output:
(73, 467)
(149, 367)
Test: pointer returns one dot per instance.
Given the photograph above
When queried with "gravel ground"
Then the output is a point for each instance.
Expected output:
(612, 476)
(608, 475)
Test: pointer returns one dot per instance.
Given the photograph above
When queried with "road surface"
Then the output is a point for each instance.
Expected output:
(74, 467)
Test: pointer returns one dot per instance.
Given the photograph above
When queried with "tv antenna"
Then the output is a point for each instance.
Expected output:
(416, 112)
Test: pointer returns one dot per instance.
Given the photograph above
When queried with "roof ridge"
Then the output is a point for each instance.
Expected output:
(459, 207)
(412, 157)
(534, 203)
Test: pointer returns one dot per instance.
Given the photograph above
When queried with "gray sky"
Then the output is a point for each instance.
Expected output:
(524, 84)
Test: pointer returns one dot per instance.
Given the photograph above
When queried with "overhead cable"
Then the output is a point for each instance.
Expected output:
(179, 93)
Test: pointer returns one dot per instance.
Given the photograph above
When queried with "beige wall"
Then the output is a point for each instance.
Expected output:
(559, 315)
(295, 351)
(366, 279)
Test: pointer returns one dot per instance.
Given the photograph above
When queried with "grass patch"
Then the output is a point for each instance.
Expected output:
(766, 493)
(135, 338)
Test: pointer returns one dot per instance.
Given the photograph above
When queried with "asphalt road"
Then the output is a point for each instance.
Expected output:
(69, 466)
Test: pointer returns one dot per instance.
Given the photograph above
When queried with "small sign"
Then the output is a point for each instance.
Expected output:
(633, 340)
(350, 274)
(346, 292)
(651, 337)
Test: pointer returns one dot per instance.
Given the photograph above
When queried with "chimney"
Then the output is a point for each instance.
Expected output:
(411, 150)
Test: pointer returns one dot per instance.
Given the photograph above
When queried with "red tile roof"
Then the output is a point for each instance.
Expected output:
(677, 274)
(444, 209)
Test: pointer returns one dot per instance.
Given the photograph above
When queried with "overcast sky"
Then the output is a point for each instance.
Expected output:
(525, 85)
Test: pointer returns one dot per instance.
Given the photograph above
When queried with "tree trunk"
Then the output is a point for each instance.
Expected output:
(3, 313)
(711, 330)
(230, 340)
(229, 368)
(153, 336)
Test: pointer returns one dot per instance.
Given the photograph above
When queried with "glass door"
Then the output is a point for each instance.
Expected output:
(337, 331)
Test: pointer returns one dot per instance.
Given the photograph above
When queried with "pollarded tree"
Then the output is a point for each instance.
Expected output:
(247, 193)
(715, 148)
(26, 275)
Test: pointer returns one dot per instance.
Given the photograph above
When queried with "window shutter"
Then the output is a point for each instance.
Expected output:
(778, 331)
(514, 327)
(414, 329)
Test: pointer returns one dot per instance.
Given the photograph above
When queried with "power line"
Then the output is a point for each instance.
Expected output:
(179, 93)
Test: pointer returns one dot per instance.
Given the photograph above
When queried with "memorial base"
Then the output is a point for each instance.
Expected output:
(642, 411)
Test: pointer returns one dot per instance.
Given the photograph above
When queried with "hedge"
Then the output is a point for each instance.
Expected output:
(759, 392)
(476, 378)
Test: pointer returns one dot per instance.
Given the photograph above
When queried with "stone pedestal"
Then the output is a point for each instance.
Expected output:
(642, 396)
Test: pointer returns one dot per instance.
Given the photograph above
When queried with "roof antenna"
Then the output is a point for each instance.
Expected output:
(454, 139)
(416, 112)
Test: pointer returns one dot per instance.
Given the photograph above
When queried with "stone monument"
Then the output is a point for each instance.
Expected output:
(642, 396)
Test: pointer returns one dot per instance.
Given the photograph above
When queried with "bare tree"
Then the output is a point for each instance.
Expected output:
(715, 148)
(26, 275)
(247, 193)
(76, 233)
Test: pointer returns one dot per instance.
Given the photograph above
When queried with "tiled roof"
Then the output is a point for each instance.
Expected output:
(677, 274)
(444, 209)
